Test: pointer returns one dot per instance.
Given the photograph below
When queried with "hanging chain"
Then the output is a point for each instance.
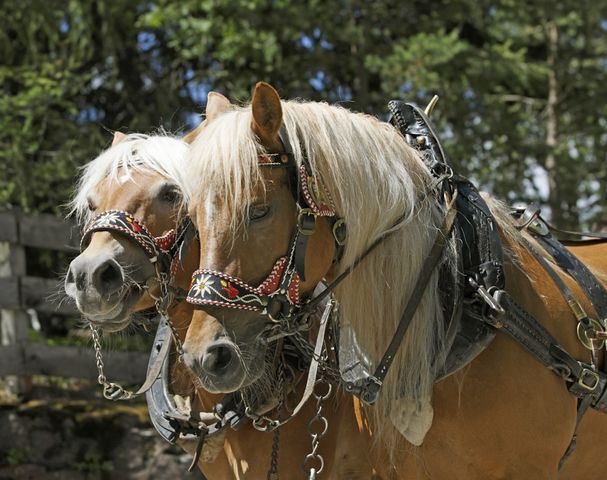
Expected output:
(115, 391)
(318, 426)
(111, 390)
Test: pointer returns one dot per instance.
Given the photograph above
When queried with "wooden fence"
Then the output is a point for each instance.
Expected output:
(19, 292)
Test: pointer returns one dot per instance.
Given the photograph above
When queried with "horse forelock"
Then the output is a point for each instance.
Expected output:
(374, 178)
(224, 160)
(137, 152)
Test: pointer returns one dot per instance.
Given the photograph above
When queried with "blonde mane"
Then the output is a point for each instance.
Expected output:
(136, 152)
(374, 178)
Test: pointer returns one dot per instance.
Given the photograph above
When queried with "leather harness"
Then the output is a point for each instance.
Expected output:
(475, 308)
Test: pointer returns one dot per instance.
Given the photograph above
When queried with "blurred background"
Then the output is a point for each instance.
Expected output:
(522, 112)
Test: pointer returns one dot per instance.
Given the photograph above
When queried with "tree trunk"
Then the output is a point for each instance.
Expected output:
(551, 162)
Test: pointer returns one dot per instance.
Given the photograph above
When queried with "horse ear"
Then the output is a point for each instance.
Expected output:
(118, 137)
(267, 114)
(216, 105)
(192, 134)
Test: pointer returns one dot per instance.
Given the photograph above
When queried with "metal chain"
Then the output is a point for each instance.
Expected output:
(111, 390)
(318, 426)
(115, 391)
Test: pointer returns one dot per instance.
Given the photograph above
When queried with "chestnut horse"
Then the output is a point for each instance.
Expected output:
(503, 416)
(141, 175)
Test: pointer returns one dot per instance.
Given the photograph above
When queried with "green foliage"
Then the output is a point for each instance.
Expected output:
(516, 101)
(93, 463)
(68, 72)
(16, 456)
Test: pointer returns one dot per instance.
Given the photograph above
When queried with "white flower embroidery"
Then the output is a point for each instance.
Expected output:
(202, 285)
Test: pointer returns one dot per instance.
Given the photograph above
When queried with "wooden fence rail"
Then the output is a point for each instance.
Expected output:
(19, 292)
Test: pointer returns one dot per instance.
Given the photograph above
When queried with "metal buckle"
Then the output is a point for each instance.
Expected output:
(305, 215)
(538, 227)
(340, 235)
(587, 373)
(487, 297)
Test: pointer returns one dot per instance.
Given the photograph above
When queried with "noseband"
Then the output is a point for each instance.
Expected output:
(159, 250)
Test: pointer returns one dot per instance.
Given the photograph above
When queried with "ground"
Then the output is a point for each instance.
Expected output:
(72, 434)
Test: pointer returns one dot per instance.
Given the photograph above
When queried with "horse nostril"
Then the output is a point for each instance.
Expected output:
(78, 279)
(107, 277)
(217, 358)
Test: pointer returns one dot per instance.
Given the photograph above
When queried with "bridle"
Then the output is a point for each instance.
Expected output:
(164, 252)
(277, 297)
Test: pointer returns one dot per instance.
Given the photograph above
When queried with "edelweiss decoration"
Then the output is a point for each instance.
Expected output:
(127, 224)
(210, 287)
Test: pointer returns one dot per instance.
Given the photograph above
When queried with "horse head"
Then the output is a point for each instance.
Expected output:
(129, 200)
(247, 221)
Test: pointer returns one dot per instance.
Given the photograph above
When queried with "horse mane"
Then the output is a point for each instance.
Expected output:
(137, 152)
(375, 179)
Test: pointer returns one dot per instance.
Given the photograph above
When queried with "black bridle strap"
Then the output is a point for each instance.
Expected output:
(126, 224)
(369, 391)
(342, 276)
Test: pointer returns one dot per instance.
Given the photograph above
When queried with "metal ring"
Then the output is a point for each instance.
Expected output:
(318, 458)
(586, 341)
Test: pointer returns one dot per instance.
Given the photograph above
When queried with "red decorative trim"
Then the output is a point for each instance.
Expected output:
(166, 241)
(320, 209)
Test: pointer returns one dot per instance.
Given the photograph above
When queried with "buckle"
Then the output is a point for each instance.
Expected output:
(538, 227)
(590, 375)
(340, 232)
(306, 221)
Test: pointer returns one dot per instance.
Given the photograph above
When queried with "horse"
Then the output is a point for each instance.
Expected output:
(142, 176)
(301, 193)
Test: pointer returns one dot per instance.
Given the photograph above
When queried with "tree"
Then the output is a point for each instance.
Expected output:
(70, 71)
(522, 108)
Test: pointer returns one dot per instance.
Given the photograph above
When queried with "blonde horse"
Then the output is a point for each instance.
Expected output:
(113, 279)
(503, 416)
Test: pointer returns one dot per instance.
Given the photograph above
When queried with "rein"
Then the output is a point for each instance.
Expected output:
(278, 299)
(163, 252)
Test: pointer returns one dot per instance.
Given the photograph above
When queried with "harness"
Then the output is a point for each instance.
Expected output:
(475, 304)
(164, 253)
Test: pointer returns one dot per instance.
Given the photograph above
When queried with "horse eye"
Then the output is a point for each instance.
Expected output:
(170, 195)
(257, 212)
(91, 206)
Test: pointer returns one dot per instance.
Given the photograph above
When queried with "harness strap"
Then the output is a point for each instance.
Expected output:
(369, 390)
(585, 322)
(594, 290)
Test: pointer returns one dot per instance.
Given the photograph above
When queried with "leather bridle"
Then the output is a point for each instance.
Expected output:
(164, 252)
(278, 296)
